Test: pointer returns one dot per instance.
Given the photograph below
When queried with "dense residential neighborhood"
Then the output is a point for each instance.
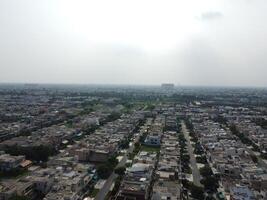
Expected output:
(60, 143)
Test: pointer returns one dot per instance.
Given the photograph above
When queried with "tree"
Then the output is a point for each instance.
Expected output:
(241, 136)
(17, 197)
(116, 185)
(137, 147)
(112, 161)
(220, 119)
(210, 183)
(197, 192)
(120, 171)
(185, 158)
(206, 171)
(103, 171)
(113, 116)
(186, 183)
(12, 172)
(255, 147)
(199, 149)
(90, 129)
(36, 153)
(201, 159)
(254, 158)
(124, 144)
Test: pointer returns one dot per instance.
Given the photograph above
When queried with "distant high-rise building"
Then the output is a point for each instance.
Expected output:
(167, 85)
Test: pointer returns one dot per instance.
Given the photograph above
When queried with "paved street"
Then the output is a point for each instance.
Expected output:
(195, 171)
(105, 189)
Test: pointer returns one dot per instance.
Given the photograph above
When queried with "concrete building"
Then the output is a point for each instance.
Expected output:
(8, 162)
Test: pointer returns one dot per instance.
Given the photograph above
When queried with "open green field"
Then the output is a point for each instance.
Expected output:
(150, 149)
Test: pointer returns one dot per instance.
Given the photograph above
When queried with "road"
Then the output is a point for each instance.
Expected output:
(195, 170)
(105, 189)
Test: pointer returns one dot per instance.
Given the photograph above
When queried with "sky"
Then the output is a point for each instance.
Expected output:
(140, 42)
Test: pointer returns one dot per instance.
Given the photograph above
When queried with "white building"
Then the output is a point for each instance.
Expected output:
(153, 140)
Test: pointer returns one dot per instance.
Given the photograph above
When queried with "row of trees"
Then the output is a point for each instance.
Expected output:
(244, 139)
(35, 153)
(137, 147)
(210, 181)
(241, 136)
(120, 171)
(184, 155)
(196, 191)
(113, 116)
(12, 173)
(201, 159)
(124, 144)
(104, 170)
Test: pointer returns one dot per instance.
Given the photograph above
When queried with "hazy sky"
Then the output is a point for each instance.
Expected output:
(187, 42)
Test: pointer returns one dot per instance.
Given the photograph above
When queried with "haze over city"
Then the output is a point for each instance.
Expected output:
(208, 42)
(133, 100)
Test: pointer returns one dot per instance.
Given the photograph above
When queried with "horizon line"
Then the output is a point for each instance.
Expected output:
(135, 85)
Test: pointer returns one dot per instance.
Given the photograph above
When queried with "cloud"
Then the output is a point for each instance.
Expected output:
(211, 15)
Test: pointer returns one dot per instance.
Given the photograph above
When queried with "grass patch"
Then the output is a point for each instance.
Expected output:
(150, 149)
